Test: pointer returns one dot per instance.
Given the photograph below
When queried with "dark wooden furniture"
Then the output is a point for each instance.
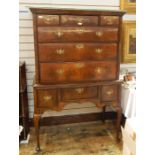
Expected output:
(23, 102)
(76, 59)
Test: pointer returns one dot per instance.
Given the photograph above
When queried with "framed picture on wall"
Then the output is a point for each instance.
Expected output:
(128, 5)
(129, 42)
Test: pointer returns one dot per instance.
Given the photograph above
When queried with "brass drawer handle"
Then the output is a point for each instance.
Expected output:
(79, 90)
(60, 71)
(99, 70)
(47, 20)
(110, 92)
(99, 34)
(79, 46)
(109, 20)
(47, 98)
(59, 34)
(99, 50)
(60, 51)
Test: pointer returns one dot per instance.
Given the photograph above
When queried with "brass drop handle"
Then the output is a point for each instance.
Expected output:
(79, 90)
(60, 51)
(59, 34)
(99, 34)
(46, 19)
(47, 98)
(79, 46)
(110, 92)
(99, 70)
(99, 50)
(60, 71)
(109, 21)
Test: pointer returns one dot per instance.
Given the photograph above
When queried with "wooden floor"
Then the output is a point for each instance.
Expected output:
(93, 138)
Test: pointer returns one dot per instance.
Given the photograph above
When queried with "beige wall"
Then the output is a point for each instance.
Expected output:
(26, 46)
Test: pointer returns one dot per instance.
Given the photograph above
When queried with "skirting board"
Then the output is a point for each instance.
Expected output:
(56, 120)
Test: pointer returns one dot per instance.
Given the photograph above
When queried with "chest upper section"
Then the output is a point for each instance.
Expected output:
(76, 45)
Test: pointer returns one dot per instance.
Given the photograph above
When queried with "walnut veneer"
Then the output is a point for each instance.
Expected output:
(76, 59)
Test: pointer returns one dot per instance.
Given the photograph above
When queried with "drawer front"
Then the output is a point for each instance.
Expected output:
(47, 98)
(110, 93)
(47, 20)
(79, 93)
(70, 34)
(76, 51)
(74, 20)
(109, 20)
(74, 72)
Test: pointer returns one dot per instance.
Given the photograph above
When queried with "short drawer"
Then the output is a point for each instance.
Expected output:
(77, 34)
(76, 51)
(109, 20)
(47, 98)
(77, 72)
(79, 93)
(110, 92)
(74, 20)
(47, 20)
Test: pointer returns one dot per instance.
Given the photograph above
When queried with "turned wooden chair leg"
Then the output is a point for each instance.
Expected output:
(103, 114)
(118, 122)
(36, 125)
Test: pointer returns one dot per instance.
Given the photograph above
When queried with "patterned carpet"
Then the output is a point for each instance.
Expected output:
(93, 138)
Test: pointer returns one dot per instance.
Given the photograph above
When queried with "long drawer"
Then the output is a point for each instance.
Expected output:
(54, 52)
(80, 71)
(71, 34)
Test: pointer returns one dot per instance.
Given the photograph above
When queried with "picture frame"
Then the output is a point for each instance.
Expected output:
(129, 42)
(128, 5)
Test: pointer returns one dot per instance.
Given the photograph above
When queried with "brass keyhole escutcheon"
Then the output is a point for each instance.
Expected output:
(47, 98)
(109, 92)
(80, 65)
(80, 31)
(99, 70)
(99, 34)
(59, 34)
(60, 71)
(79, 90)
(79, 22)
(79, 46)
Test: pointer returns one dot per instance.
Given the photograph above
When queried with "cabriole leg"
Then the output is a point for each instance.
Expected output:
(118, 122)
(36, 125)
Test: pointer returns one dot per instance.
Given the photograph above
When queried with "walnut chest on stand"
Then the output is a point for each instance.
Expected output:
(76, 59)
